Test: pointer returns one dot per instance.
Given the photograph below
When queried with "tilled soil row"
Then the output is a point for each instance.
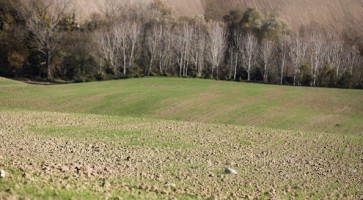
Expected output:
(122, 157)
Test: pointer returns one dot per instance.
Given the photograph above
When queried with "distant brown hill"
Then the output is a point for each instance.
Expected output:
(333, 13)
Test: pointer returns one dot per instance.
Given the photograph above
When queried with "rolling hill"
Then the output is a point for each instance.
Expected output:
(333, 13)
(207, 101)
(173, 138)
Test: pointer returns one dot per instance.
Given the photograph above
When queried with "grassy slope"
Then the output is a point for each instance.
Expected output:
(298, 108)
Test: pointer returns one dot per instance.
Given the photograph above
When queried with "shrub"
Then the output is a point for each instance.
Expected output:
(100, 76)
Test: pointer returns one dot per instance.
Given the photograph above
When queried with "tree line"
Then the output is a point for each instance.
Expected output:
(41, 39)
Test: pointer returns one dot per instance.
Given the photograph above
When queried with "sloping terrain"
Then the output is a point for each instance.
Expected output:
(333, 13)
(209, 101)
(172, 138)
(49, 155)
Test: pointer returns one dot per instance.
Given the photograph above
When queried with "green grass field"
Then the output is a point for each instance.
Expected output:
(208, 101)
(125, 139)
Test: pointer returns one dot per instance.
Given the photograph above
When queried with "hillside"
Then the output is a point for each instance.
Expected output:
(50, 155)
(169, 138)
(208, 101)
(335, 13)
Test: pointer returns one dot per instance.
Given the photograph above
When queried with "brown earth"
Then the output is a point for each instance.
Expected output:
(113, 156)
(337, 14)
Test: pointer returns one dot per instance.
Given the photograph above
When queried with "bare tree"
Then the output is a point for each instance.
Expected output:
(233, 62)
(164, 45)
(109, 47)
(128, 35)
(198, 46)
(235, 50)
(316, 41)
(118, 43)
(153, 41)
(110, 9)
(217, 44)
(166, 52)
(351, 59)
(127, 10)
(335, 50)
(183, 39)
(119, 33)
(283, 50)
(304, 48)
(179, 47)
(134, 31)
(297, 53)
(266, 50)
(248, 50)
(43, 19)
(359, 71)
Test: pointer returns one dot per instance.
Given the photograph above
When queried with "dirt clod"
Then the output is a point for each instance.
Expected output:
(167, 184)
(2, 173)
(147, 157)
(230, 171)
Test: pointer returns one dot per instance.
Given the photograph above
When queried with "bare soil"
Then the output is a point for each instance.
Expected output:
(115, 157)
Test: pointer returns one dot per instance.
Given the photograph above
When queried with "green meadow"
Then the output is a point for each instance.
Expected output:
(207, 101)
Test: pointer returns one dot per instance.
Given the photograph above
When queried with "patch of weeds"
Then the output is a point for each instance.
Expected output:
(82, 132)
(137, 142)
(244, 141)
(265, 195)
(13, 184)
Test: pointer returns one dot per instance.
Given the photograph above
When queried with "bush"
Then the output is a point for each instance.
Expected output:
(346, 81)
(166, 74)
(134, 71)
(198, 75)
(305, 77)
(323, 76)
(100, 76)
(79, 79)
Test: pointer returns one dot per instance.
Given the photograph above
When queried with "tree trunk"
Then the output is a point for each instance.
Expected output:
(282, 70)
(180, 65)
(265, 74)
(160, 68)
(150, 66)
(132, 55)
(180, 70)
(294, 79)
(124, 72)
(315, 74)
(217, 68)
(282, 73)
(249, 70)
(47, 65)
(235, 67)
(186, 69)
(235, 72)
